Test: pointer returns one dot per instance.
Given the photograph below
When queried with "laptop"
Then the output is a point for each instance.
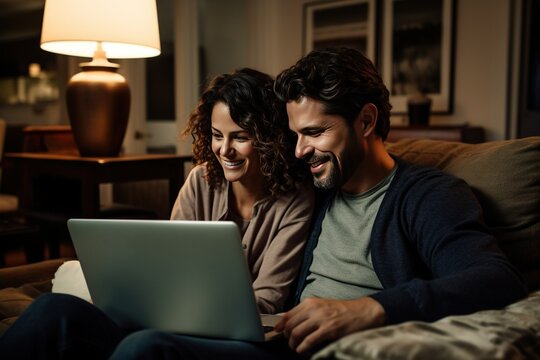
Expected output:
(186, 277)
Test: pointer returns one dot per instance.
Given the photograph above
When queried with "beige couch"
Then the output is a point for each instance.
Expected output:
(505, 176)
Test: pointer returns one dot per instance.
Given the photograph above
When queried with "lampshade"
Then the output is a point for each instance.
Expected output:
(98, 98)
(125, 28)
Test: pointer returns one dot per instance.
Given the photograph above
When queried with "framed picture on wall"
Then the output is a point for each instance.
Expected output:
(418, 52)
(350, 23)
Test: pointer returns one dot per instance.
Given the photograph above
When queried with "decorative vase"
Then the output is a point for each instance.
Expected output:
(98, 100)
(419, 108)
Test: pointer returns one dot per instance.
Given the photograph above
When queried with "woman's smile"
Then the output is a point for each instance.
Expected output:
(233, 164)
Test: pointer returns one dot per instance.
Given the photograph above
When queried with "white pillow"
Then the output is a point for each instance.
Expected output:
(69, 279)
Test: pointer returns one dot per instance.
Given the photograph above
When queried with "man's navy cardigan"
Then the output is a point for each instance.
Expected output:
(430, 249)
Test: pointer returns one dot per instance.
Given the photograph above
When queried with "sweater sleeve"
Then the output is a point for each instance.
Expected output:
(185, 205)
(283, 256)
(433, 254)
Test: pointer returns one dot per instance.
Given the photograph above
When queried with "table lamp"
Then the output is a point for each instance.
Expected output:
(98, 98)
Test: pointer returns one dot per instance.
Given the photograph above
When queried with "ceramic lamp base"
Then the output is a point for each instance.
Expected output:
(98, 101)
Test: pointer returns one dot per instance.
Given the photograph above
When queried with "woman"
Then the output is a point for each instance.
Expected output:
(246, 172)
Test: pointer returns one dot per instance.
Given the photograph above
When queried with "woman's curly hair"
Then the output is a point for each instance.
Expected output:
(254, 107)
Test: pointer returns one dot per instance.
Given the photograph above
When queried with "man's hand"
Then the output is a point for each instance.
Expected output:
(316, 320)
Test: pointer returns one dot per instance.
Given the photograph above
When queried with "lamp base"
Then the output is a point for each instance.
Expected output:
(98, 100)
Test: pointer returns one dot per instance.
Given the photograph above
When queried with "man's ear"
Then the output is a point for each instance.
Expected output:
(367, 119)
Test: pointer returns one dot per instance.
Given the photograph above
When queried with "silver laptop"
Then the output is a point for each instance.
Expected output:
(187, 277)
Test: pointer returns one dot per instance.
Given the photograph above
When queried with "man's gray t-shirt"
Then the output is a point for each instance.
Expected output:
(342, 267)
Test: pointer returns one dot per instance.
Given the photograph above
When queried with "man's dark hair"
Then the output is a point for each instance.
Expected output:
(342, 79)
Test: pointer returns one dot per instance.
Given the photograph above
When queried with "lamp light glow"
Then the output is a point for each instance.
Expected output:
(98, 99)
(126, 28)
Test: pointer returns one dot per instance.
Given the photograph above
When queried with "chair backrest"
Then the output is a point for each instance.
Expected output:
(2, 138)
(49, 138)
(8, 203)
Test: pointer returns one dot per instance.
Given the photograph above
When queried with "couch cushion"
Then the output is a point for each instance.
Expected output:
(16, 276)
(505, 176)
(511, 333)
(13, 301)
(20, 285)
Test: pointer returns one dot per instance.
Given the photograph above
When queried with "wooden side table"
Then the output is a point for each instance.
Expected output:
(54, 187)
(88, 173)
(466, 134)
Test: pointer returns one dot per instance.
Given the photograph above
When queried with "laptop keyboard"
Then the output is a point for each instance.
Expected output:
(268, 328)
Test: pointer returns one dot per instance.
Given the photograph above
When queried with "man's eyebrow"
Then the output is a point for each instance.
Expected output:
(310, 128)
(313, 129)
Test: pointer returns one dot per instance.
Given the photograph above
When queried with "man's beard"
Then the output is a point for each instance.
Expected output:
(331, 177)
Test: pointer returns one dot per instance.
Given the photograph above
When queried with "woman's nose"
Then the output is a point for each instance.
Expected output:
(226, 148)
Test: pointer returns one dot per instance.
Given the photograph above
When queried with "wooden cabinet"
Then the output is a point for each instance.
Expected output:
(467, 134)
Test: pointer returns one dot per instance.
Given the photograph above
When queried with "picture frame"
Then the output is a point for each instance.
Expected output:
(418, 52)
(336, 23)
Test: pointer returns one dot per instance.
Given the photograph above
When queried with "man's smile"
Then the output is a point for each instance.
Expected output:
(317, 166)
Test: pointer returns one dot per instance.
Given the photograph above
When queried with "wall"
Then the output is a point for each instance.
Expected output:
(222, 35)
(268, 35)
(481, 65)
(210, 38)
(46, 113)
(22, 114)
(481, 61)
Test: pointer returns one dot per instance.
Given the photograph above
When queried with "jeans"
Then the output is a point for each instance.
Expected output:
(59, 326)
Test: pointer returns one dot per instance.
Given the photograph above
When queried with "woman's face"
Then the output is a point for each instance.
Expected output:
(233, 147)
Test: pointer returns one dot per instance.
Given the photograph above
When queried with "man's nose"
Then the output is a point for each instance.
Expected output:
(302, 149)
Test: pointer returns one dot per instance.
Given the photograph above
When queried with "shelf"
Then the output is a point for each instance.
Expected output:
(466, 134)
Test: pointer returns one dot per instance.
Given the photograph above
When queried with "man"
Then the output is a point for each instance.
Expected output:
(390, 242)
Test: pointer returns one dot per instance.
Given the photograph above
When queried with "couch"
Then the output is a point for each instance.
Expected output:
(505, 176)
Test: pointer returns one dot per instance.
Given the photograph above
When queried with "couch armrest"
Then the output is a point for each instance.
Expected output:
(21, 285)
(16, 276)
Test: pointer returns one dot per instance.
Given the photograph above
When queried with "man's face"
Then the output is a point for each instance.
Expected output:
(326, 142)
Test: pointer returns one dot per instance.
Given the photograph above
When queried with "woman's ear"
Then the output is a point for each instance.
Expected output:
(367, 119)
